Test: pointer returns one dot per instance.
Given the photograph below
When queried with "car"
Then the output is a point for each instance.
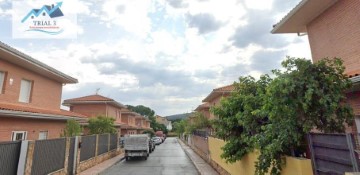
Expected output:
(157, 140)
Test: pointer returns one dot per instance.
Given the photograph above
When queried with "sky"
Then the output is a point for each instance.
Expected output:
(164, 54)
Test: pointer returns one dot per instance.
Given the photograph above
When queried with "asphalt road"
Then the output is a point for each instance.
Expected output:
(167, 159)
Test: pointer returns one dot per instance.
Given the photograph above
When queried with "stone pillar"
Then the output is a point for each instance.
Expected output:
(29, 157)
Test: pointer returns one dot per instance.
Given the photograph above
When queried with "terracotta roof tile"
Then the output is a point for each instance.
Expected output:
(202, 106)
(21, 108)
(89, 98)
(225, 88)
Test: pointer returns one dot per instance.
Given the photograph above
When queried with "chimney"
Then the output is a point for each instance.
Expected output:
(52, 6)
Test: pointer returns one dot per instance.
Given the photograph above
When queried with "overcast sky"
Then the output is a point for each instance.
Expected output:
(165, 54)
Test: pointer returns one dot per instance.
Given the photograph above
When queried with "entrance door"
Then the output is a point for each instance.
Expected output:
(19, 135)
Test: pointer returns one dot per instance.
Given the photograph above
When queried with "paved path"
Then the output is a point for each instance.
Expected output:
(167, 159)
(203, 167)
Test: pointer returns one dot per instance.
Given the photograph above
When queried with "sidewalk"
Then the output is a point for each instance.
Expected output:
(102, 166)
(203, 167)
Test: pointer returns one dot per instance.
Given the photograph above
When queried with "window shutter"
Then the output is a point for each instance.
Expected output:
(25, 91)
(2, 76)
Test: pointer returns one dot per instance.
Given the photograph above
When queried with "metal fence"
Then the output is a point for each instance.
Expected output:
(201, 133)
(103, 144)
(113, 141)
(333, 153)
(49, 156)
(88, 147)
(9, 157)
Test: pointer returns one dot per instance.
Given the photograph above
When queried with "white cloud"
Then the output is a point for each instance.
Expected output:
(130, 15)
(259, 4)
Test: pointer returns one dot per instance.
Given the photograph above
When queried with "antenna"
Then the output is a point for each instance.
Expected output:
(97, 91)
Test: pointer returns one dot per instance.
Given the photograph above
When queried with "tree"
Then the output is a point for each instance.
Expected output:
(303, 97)
(142, 110)
(101, 125)
(240, 117)
(72, 128)
(274, 115)
(200, 121)
(179, 127)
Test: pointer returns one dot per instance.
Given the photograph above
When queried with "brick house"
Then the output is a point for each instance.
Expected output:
(164, 121)
(96, 105)
(30, 97)
(213, 99)
(332, 27)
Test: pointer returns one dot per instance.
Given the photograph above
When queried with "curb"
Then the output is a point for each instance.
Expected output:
(187, 153)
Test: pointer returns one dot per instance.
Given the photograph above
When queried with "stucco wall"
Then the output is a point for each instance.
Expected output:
(294, 166)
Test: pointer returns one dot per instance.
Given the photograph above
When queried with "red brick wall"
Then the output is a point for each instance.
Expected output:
(353, 98)
(91, 110)
(46, 93)
(336, 33)
(32, 126)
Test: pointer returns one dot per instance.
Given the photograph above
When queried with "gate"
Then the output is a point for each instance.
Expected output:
(333, 153)
(71, 156)
(9, 157)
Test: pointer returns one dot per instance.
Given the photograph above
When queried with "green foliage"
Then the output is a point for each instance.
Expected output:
(72, 129)
(142, 110)
(274, 115)
(240, 117)
(179, 127)
(303, 97)
(101, 125)
(200, 121)
(150, 132)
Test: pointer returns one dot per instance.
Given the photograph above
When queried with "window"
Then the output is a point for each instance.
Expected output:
(2, 82)
(18, 135)
(25, 91)
(43, 135)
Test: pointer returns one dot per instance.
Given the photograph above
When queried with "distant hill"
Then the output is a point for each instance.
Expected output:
(178, 116)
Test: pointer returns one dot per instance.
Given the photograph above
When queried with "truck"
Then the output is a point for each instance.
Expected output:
(136, 146)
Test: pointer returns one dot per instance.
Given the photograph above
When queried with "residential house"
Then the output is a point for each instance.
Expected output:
(213, 99)
(332, 27)
(97, 105)
(135, 123)
(164, 121)
(30, 98)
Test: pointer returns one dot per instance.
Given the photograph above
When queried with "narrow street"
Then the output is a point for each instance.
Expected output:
(167, 159)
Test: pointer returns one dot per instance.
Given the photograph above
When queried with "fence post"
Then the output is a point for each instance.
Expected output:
(96, 145)
(77, 152)
(352, 152)
(109, 142)
(312, 154)
(76, 145)
(22, 157)
(67, 150)
(29, 157)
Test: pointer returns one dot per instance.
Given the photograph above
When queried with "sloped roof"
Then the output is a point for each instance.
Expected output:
(203, 106)
(219, 92)
(16, 57)
(26, 111)
(301, 15)
(92, 99)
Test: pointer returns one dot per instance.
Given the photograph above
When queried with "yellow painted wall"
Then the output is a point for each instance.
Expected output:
(294, 166)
